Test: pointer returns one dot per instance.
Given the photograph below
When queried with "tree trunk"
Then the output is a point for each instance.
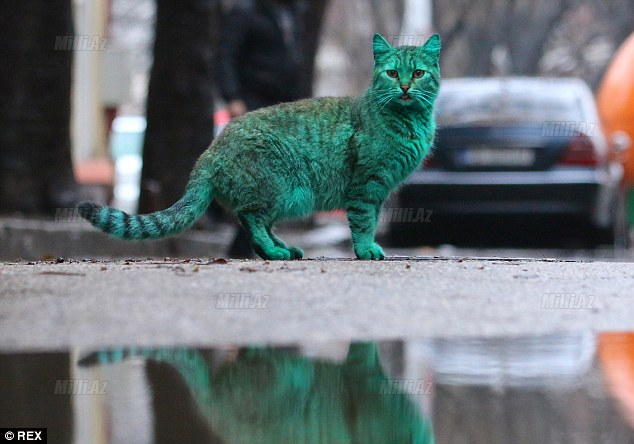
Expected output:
(180, 101)
(530, 27)
(35, 83)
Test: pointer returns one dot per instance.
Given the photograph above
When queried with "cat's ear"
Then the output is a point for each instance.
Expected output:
(432, 46)
(363, 355)
(381, 47)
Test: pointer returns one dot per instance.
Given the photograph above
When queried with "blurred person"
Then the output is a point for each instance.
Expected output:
(36, 174)
(261, 61)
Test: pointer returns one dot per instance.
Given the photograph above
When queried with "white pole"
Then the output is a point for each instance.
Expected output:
(417, 22)
(87, 121)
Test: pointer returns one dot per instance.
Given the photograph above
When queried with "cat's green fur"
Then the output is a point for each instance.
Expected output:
(271, 396)
(292, 159)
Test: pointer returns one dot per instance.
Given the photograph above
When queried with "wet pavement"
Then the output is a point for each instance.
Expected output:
(436, 344)
(571, 387)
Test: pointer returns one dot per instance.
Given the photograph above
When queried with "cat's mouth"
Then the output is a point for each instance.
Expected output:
(405, 96)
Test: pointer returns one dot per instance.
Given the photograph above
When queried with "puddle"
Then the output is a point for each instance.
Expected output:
(569, 388)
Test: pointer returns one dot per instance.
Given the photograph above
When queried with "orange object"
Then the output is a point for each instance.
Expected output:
(616, 354)
(615, 101)
(94, 172)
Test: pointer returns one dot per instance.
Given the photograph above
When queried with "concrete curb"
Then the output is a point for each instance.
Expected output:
(31, 239)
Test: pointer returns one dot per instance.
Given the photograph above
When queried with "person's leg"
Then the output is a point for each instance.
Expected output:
(240, 247)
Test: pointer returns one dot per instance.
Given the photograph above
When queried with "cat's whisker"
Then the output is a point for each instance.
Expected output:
(382, 96)
(427, 95)
(382, 100)
(375, 103)
(374, 94)
(424, 98)
(386, 103)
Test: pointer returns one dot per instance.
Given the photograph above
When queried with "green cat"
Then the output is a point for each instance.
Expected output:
(272, 396)
(292, 159)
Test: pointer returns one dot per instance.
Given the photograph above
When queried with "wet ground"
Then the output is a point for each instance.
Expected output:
(566, 388)
(437, 344)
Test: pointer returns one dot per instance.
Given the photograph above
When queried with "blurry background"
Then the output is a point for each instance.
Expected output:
(480, 38)
(117, 114)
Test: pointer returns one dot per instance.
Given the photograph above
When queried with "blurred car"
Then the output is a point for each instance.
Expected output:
(512, 150)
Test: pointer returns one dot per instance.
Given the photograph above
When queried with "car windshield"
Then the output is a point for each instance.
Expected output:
(483, 104)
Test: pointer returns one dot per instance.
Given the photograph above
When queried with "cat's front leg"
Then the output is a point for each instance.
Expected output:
(363, 217)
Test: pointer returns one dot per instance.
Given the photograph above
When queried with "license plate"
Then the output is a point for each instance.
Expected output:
(497, 157)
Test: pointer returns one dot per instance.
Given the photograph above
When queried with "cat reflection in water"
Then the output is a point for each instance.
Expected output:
(272, 396)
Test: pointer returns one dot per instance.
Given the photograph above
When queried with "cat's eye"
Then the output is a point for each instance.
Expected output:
(392, 73)
(417, 74)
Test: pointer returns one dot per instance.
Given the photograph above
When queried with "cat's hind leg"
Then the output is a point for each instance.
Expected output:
(261, 239)
(296, 253)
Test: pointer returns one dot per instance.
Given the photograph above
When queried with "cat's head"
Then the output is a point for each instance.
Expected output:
(406, 75)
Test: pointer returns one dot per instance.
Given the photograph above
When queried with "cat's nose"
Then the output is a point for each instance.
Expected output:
(404, 88)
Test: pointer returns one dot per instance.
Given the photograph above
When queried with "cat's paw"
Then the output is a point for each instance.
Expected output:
(296, 253)
(276, 254)
(370, 252)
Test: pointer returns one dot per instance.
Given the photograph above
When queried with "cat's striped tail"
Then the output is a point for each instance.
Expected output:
(164, 223)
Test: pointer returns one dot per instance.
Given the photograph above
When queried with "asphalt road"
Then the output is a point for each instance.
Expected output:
(55, 306)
